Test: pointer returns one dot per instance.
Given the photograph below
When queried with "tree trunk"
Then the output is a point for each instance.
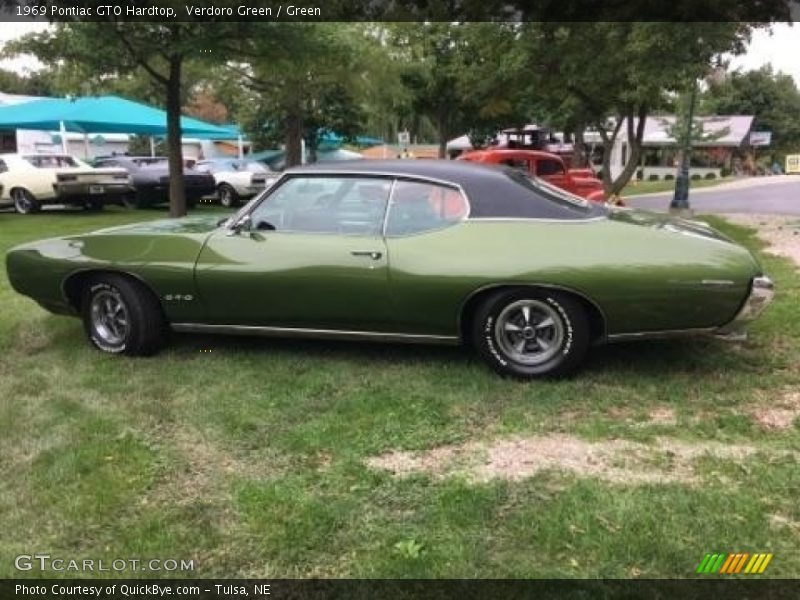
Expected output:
(634, 150)
(294, 137)
(441, 130)
(579, 157)
(177, 191)
(311, 148)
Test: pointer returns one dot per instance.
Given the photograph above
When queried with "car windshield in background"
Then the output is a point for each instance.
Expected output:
(551, 192)
(150, 162)
(51, 162)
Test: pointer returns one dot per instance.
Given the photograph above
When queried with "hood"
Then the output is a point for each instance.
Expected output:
(204, 224)
(666, 222)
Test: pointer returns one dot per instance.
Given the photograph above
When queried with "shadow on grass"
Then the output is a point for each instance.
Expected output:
(696, 355)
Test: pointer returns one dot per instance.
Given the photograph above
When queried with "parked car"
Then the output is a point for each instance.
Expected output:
(237, 179)
(410, 251)
(30, 181)
(150, 177)
(546, 166)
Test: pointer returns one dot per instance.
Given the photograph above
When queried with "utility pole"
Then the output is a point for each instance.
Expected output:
(680, 199)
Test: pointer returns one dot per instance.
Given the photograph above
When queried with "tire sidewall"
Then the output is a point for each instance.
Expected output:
(28, 197)
(98, 342)
(568, 356)
(226, 191)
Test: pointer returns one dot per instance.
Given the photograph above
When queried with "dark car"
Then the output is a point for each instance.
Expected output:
(150, 178)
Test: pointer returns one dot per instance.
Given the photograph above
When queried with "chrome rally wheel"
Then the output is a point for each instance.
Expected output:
(528, 333)
(110, 318)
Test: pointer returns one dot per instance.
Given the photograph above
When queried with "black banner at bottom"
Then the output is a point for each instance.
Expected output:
(400, 589)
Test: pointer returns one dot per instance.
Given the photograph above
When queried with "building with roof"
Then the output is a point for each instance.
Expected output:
(723, 143)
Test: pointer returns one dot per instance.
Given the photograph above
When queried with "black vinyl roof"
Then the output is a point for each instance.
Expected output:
(493, 191)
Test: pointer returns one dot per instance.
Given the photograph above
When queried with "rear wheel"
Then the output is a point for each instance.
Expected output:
(121, 316)
(24, 202)
(531, 333)
(93, 205)
(227, 196)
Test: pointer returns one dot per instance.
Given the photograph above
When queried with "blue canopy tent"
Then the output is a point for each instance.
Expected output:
(102, 114)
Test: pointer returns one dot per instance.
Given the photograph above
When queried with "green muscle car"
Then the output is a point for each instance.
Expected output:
(412, 251)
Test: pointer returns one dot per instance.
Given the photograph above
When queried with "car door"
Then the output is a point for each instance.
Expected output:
(431, 261)
(313, 256)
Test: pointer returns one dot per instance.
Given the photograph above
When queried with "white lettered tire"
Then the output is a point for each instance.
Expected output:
(530, 333)
(121, 316)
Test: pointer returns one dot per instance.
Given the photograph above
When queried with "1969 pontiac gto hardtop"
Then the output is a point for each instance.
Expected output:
(415, 251)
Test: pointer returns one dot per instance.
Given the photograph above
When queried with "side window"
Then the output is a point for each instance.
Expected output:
(343, 205)
(520, 164)
(204, 167)
(416, 207)
(549, 167)
(3, 166)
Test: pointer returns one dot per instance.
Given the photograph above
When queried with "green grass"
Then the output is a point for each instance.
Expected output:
(637, 188)
(250, 459)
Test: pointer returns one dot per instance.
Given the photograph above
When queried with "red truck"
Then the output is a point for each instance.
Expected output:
(546, 166)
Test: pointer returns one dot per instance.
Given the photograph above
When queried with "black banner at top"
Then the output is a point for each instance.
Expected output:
(399, 10)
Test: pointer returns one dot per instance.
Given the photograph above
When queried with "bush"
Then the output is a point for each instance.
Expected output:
(639, 174)
(710, 175)
(669, 177)
(696, 176)
(724, 172)
(653, 177)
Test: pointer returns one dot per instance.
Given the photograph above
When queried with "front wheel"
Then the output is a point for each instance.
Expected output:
(121, 316)
(228, 196)
(531, 333)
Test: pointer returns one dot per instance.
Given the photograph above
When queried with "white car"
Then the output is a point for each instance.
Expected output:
(29, 181)
(237, 179)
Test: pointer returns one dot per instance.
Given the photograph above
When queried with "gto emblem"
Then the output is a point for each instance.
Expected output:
(186, 298)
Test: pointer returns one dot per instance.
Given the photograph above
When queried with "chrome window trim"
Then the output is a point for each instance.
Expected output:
(452, 186)
(258, 200)
(543, 219)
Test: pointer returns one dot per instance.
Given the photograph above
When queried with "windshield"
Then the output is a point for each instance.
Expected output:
(549, 191)
(50, 161)
(149, 162)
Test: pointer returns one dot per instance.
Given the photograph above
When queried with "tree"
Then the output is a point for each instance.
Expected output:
(773, 98)
(111, 49)
(611, 76)
(460, 76)
(305, 78)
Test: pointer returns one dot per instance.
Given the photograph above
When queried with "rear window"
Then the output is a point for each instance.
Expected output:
(44, 161)
(549, 192)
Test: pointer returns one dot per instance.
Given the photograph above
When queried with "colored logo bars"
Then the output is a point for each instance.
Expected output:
(729, 564)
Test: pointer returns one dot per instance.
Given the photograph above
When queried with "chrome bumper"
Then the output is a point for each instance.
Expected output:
(762, 291)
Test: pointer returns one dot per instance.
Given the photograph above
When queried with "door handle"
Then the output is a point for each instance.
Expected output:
(370, 253)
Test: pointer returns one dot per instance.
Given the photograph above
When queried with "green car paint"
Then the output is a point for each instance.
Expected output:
(641, 272)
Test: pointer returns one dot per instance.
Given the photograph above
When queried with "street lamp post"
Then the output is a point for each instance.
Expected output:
(680, 199)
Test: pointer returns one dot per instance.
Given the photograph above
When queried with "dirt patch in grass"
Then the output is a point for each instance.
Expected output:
(782, 234)
(617, 461)
(662, 415)
(780, 414)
